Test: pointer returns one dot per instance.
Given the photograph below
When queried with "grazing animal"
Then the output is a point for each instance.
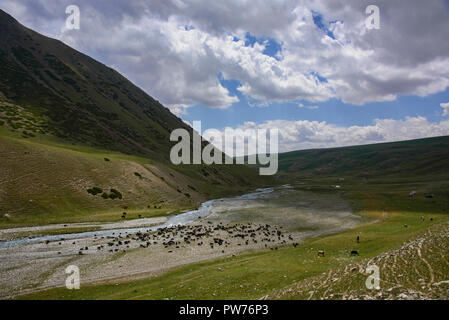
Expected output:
(358, 239)
(354, 253)
(321, 253)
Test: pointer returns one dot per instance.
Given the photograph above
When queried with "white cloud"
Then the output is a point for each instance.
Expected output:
(445, 107)
(299, 135)
(148, 42)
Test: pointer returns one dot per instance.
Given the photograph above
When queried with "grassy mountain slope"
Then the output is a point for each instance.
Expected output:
(62, 113)
(406, 158)
(44, 179)
(84, 100)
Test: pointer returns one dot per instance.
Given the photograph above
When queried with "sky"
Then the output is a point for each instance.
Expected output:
(311, 69)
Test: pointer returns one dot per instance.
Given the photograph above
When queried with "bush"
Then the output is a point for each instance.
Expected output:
(27, 134)
(94, 191)
(138, 175)
(16, 126)
(115, 194)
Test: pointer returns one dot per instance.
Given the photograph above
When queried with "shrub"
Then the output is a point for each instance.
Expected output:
(27, 134)
(105, 195)
(115, 194)
(138, 175)
(94, 191)
(16, 125)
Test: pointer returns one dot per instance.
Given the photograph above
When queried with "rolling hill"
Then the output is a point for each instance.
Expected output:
(405, 158)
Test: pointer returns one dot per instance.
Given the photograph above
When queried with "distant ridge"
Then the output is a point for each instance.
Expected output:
(413, 157)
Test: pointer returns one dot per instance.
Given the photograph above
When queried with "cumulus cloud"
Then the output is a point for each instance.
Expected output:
(176, 49)
(304, 134)
(445, 107)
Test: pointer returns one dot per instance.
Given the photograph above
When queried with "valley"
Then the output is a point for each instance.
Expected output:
(282, 270)
(86, 180)
(265, 219)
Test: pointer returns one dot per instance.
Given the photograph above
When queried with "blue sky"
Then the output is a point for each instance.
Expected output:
(313, 70)
(333, 111)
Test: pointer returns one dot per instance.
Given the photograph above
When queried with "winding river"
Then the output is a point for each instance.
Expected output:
(206, 208)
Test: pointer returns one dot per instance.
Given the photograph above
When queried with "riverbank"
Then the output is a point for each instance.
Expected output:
(38, 232)
(393, 219)
(121, 255)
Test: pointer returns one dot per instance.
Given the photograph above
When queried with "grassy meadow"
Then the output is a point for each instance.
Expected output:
(45, 180)
(393, 217)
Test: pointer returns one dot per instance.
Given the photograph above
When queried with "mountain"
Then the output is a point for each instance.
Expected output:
(71, 126)
(405, 158)
(84, 100)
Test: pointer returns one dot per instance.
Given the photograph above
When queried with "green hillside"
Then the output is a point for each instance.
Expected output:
(406, 158)
(71, 126)
(406, 236)
(83, 100)
(44, 179)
